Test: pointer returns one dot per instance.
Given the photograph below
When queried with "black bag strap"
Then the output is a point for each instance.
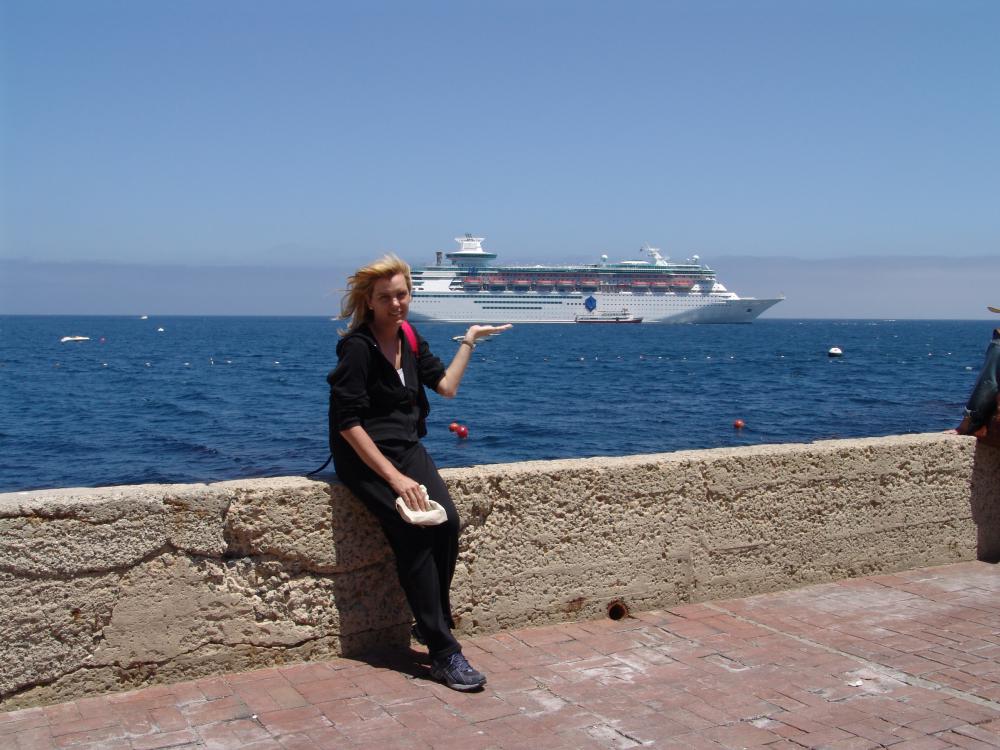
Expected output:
(317, 471)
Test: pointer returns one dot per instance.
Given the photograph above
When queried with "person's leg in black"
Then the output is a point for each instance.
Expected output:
(445, 544)
(418, 575)
(418, 550)
(448, 665)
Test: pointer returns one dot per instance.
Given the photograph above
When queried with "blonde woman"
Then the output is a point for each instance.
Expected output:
(378, 410)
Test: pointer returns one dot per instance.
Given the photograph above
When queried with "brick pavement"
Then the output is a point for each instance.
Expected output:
(909, 661)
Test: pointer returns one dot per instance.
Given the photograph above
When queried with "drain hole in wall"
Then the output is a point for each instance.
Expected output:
(617, 609)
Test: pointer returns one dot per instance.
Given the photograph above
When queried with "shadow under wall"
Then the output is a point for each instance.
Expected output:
(985, 499)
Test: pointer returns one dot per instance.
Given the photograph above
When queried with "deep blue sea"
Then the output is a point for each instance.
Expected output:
(229, 397)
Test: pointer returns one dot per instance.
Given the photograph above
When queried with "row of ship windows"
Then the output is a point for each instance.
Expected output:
(503, 305)
(548, 299)
(493, 298)
(612, 290)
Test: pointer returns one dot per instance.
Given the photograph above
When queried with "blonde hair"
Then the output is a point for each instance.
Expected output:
(361, 283)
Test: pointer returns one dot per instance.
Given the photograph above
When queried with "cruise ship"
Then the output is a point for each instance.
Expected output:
(472, 288)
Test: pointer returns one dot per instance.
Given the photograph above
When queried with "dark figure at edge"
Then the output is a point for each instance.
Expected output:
(982, 403)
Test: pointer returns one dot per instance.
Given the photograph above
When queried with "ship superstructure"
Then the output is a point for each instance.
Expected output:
(472, 288)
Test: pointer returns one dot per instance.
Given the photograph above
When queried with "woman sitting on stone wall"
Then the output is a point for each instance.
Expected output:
(378, 410)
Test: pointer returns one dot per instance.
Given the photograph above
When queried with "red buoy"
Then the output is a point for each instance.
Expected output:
(462, 431)
(453, 427)
(739, 424)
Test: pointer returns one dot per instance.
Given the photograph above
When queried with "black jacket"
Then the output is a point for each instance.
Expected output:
(365, 389)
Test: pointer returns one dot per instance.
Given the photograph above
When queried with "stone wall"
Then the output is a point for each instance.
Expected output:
(113, 588)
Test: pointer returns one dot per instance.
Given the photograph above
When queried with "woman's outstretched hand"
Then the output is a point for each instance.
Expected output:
(478, 332)
(410, 491)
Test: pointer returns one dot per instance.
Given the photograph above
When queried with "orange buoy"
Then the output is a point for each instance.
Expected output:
(462, 431)
(453, 427)
(739, 424)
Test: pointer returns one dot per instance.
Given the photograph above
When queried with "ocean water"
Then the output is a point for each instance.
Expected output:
(230, 397)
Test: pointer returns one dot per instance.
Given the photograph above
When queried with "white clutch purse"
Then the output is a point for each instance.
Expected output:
(436, 515)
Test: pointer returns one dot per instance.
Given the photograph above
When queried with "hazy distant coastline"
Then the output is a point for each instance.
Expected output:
(862, 287)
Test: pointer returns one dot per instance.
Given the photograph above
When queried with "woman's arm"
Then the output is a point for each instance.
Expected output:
(448, 385)
(402, 485)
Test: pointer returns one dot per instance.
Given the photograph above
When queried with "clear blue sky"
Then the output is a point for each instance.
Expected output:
(313, 134)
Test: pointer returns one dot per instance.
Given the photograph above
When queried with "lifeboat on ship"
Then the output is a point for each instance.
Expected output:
(544, 285)
(497, 282)
(566, 284)
(472, 282)
(589, 285)
(683, 284)
(521, 283)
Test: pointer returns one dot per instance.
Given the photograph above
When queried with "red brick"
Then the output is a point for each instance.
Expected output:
(922, 743)
(271, 673)
(289, 720)
(30, 739)
(300, 741)
(29, 721)
(62, 712)
(982, 732)
(90, 736)
(75, 726)
(328, 738)
(972, 713)
(168, 719)
(187, 692)
(164, 740)
(212, 712)
(851, 743)
(214, 687)
(334, 688)
(307, 672)
(740, 735)
(136, 721)
(961, 740)
(232, 735)
(348, 713)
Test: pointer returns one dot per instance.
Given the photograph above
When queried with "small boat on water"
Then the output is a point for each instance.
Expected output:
(622, 316)
(67, 339)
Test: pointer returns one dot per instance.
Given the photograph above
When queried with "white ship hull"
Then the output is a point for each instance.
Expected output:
(532, 307)
(474, 289)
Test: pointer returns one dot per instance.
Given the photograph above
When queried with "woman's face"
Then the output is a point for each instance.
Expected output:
(390, 300)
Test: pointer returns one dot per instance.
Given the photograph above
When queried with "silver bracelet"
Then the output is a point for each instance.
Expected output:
(468, 343)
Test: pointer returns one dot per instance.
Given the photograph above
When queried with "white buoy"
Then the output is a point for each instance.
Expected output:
(159, 330)
(835, 351)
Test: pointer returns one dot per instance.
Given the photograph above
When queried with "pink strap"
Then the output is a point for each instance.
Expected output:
(410, 334)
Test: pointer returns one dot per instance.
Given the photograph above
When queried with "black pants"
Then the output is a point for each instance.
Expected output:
(425, 555)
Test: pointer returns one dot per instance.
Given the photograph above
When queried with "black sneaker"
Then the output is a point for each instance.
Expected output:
(455, 671)
(416, 635)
